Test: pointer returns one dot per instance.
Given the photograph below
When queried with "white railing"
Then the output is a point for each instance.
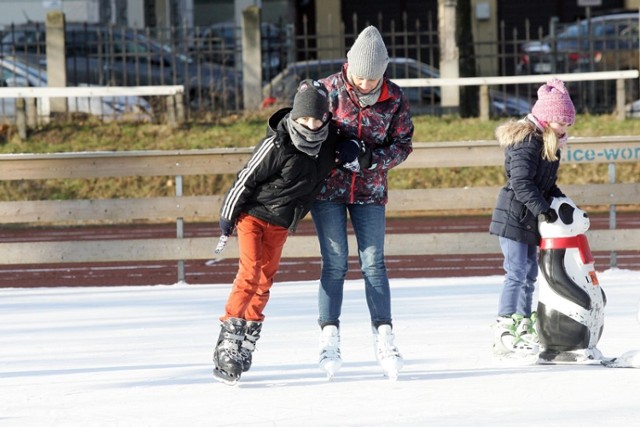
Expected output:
(485, 82)
(89, 91)
(26, 110)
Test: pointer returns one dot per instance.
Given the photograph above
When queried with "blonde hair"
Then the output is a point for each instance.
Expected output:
(514, 132)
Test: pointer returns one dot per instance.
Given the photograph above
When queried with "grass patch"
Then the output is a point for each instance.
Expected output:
(244, 131)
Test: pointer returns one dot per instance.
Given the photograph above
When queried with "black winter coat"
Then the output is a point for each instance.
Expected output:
(279, 182)
(531, 183)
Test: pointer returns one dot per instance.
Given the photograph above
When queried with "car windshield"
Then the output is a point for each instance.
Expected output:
(396, 69)
(86, 40)
(600, 28)
(11, 69)
(139, 45)
(142, 42)
(315, 70)
(225, 32)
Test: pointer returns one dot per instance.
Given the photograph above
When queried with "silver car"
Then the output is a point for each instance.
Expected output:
(16, 73)
(603, 43)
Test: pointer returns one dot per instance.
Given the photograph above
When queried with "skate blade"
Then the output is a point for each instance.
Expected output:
(330, 368)
(225, 377)
(569, 358)
(391, 369)
(391, 375)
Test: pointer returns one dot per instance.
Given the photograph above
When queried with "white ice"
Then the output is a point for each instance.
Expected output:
(141, 356)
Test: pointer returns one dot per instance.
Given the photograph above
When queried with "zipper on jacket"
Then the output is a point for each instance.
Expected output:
(352, 195)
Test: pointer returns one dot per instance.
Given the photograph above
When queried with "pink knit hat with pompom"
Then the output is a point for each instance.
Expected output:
(554, 104)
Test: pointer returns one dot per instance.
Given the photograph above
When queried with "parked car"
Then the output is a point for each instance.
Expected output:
(123, 56)
(219, 44)
(426, 100)
(15, 73)
(603, 43)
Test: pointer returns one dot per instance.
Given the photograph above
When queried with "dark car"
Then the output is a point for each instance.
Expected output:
(603, 43)
(123, 56)
(425, 100)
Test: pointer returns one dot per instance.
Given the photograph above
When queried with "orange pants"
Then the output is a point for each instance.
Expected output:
(260, 247)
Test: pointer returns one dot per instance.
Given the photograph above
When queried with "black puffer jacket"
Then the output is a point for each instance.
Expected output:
(531, 183)
(279, 182)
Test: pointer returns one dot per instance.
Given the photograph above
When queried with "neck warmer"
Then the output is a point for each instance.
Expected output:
(536, 122)
(304, 139)
(366, 99)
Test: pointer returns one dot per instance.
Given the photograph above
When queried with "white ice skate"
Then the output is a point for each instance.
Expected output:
(386, 352)
(330, 360)
(514, 342)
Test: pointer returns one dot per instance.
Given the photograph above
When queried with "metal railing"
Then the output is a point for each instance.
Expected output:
(208, 60)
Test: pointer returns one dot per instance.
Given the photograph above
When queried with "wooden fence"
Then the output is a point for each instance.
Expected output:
(87, 165)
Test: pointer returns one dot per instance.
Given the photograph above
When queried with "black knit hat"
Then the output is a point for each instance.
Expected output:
(311, 100)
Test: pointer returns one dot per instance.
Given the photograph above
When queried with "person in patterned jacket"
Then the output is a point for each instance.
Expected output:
(374, 112)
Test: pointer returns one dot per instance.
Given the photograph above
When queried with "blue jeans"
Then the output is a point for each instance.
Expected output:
(369, 224)
(521, 272)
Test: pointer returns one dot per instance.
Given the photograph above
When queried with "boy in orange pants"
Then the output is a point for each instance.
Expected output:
(270, 195)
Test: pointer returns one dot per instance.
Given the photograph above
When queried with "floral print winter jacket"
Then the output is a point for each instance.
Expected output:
(385, 128)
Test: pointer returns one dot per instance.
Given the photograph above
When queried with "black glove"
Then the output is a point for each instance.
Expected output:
(349, 159)
(226, 227)
(365, 157)
(347, 151)
(549, 216)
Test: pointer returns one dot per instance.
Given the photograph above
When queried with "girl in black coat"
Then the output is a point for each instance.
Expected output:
(532, 157)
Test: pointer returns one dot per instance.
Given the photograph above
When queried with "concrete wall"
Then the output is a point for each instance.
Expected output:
(328, 24)
(135, 14)
(251, 58)
(56, 63)
(632, 4)
(484, 15)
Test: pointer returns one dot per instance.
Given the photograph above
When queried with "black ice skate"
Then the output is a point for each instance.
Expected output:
(251, 335)
(227, 356)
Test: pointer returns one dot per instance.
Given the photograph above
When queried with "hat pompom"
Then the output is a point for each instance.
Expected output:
(554, 104)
